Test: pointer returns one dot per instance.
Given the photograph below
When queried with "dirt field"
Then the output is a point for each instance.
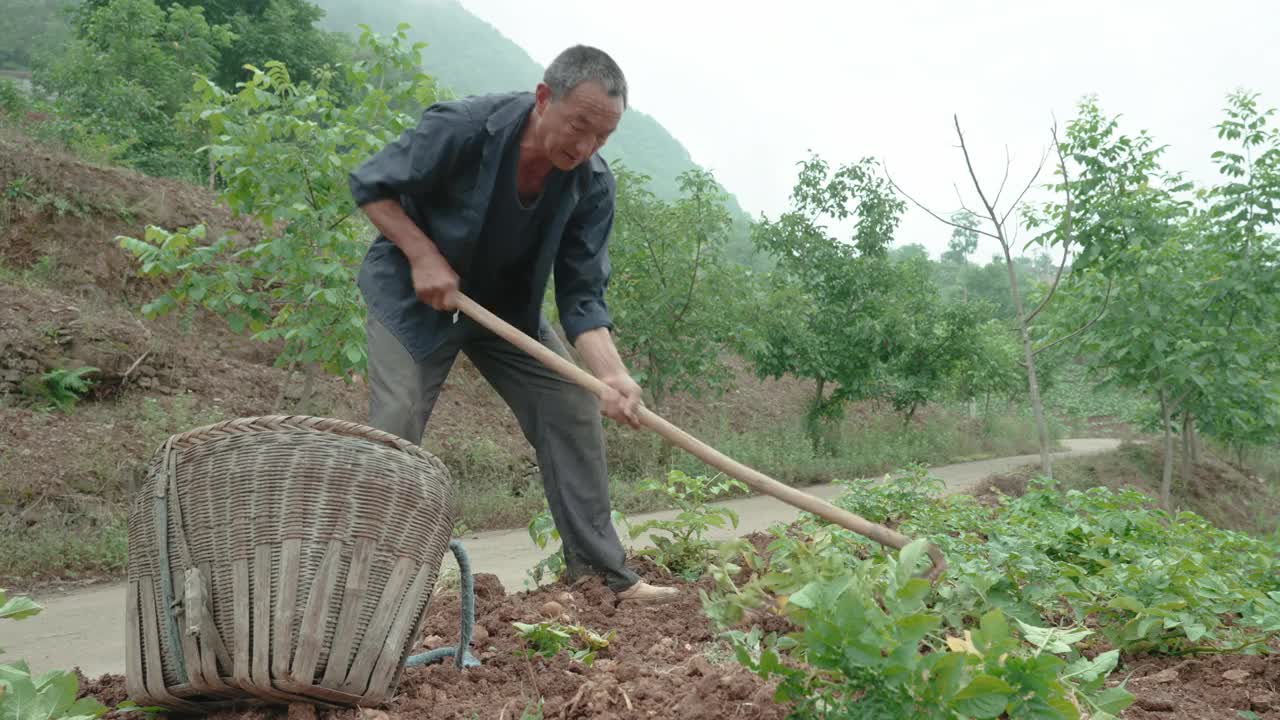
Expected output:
(667, 663)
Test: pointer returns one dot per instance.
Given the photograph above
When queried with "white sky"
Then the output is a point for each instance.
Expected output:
(750, 92)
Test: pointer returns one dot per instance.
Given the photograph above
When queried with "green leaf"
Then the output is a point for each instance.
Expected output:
(18, 608)
(1055, 640)
(1113, 700)
(984, 697)
(1089, 670)
(908, 558)
(807, 597)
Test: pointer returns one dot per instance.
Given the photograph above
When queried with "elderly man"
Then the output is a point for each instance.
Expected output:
(490, 195)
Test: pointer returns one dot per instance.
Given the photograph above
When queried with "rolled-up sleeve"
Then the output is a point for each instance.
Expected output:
(418, 160)
(582, 266)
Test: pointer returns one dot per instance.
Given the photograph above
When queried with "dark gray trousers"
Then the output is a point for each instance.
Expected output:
(560, 419)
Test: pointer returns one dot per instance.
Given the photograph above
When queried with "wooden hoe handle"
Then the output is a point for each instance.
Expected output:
(699, 449)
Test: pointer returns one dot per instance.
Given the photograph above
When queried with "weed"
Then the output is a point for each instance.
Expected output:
(684, 549)
(60, 388)
(549, 638)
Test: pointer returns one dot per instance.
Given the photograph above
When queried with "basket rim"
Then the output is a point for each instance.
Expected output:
(312, 423)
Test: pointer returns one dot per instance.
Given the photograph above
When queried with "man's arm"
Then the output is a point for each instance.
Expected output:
(434, 281)
(582, 276)
(415, 163)
(601, 358)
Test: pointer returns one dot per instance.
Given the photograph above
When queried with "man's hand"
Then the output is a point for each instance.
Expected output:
(623, 400)
(434, 282)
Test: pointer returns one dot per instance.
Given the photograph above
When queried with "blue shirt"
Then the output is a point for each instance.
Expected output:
(445, 173)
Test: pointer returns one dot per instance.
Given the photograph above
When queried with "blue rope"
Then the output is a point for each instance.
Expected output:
(468, 598)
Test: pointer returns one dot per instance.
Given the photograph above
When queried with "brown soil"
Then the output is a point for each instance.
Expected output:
(665, 662)
(1208, 688)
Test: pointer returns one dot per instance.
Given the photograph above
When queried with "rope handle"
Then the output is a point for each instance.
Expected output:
(702, 451)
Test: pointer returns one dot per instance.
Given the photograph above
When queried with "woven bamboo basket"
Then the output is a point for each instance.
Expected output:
(281, 559)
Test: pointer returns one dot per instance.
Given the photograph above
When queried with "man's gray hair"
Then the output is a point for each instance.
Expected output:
(581, 63)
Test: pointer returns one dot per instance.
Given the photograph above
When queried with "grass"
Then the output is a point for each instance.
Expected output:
(68, 550)
(74, 525)
(496, 492)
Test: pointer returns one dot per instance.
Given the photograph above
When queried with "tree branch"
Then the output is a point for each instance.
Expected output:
(1067, 237)
(1032, 181)
(934, 214)
(1052, 288)
(991, 211)
(1105, 302)
(1008, 162)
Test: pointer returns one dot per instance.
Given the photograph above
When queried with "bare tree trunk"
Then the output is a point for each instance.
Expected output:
(1166, 477)
(815, 418)
(1187, 462)
(1195, 443)
(1029, 358)
(308, 390)
(284, 387)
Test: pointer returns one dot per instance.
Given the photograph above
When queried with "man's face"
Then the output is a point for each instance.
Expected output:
(574, 127)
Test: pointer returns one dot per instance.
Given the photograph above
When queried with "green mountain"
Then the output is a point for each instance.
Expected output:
(470, 56)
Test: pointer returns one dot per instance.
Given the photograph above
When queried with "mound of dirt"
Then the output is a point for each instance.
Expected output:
(1221, 687)
(58, 207)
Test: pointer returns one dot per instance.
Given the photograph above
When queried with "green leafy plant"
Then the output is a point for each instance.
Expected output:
(48, 696)
(1043, 593)
(63, 388)
(542, 530)
(284, 149)
(549, 638)
(682, 547)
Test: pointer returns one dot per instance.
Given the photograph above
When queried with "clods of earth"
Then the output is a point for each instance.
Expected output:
(666, 662)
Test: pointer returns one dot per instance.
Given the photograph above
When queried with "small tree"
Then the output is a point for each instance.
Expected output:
(1060, 232)
(672, 294)
(964, 237)
(1195, 314)
(847, 314)
(285, 149)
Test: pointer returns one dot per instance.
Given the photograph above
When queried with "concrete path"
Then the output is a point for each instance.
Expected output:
(86, 628)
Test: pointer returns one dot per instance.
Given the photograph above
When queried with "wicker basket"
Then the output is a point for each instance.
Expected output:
(297, 554)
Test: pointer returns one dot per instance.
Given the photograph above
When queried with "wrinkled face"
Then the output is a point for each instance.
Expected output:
(574, 127)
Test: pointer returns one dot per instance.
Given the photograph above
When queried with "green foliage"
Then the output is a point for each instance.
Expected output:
(12, 99)
(1036, 587)
(129, 71)
(549, 638)
(1192, 278)
(846, 314)
(285, 149)
(542, 530)
(17, 608)
(62, 388)
(684, 549)
(992, 367)
(672, 295)
(49, 696)
(964, 239)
